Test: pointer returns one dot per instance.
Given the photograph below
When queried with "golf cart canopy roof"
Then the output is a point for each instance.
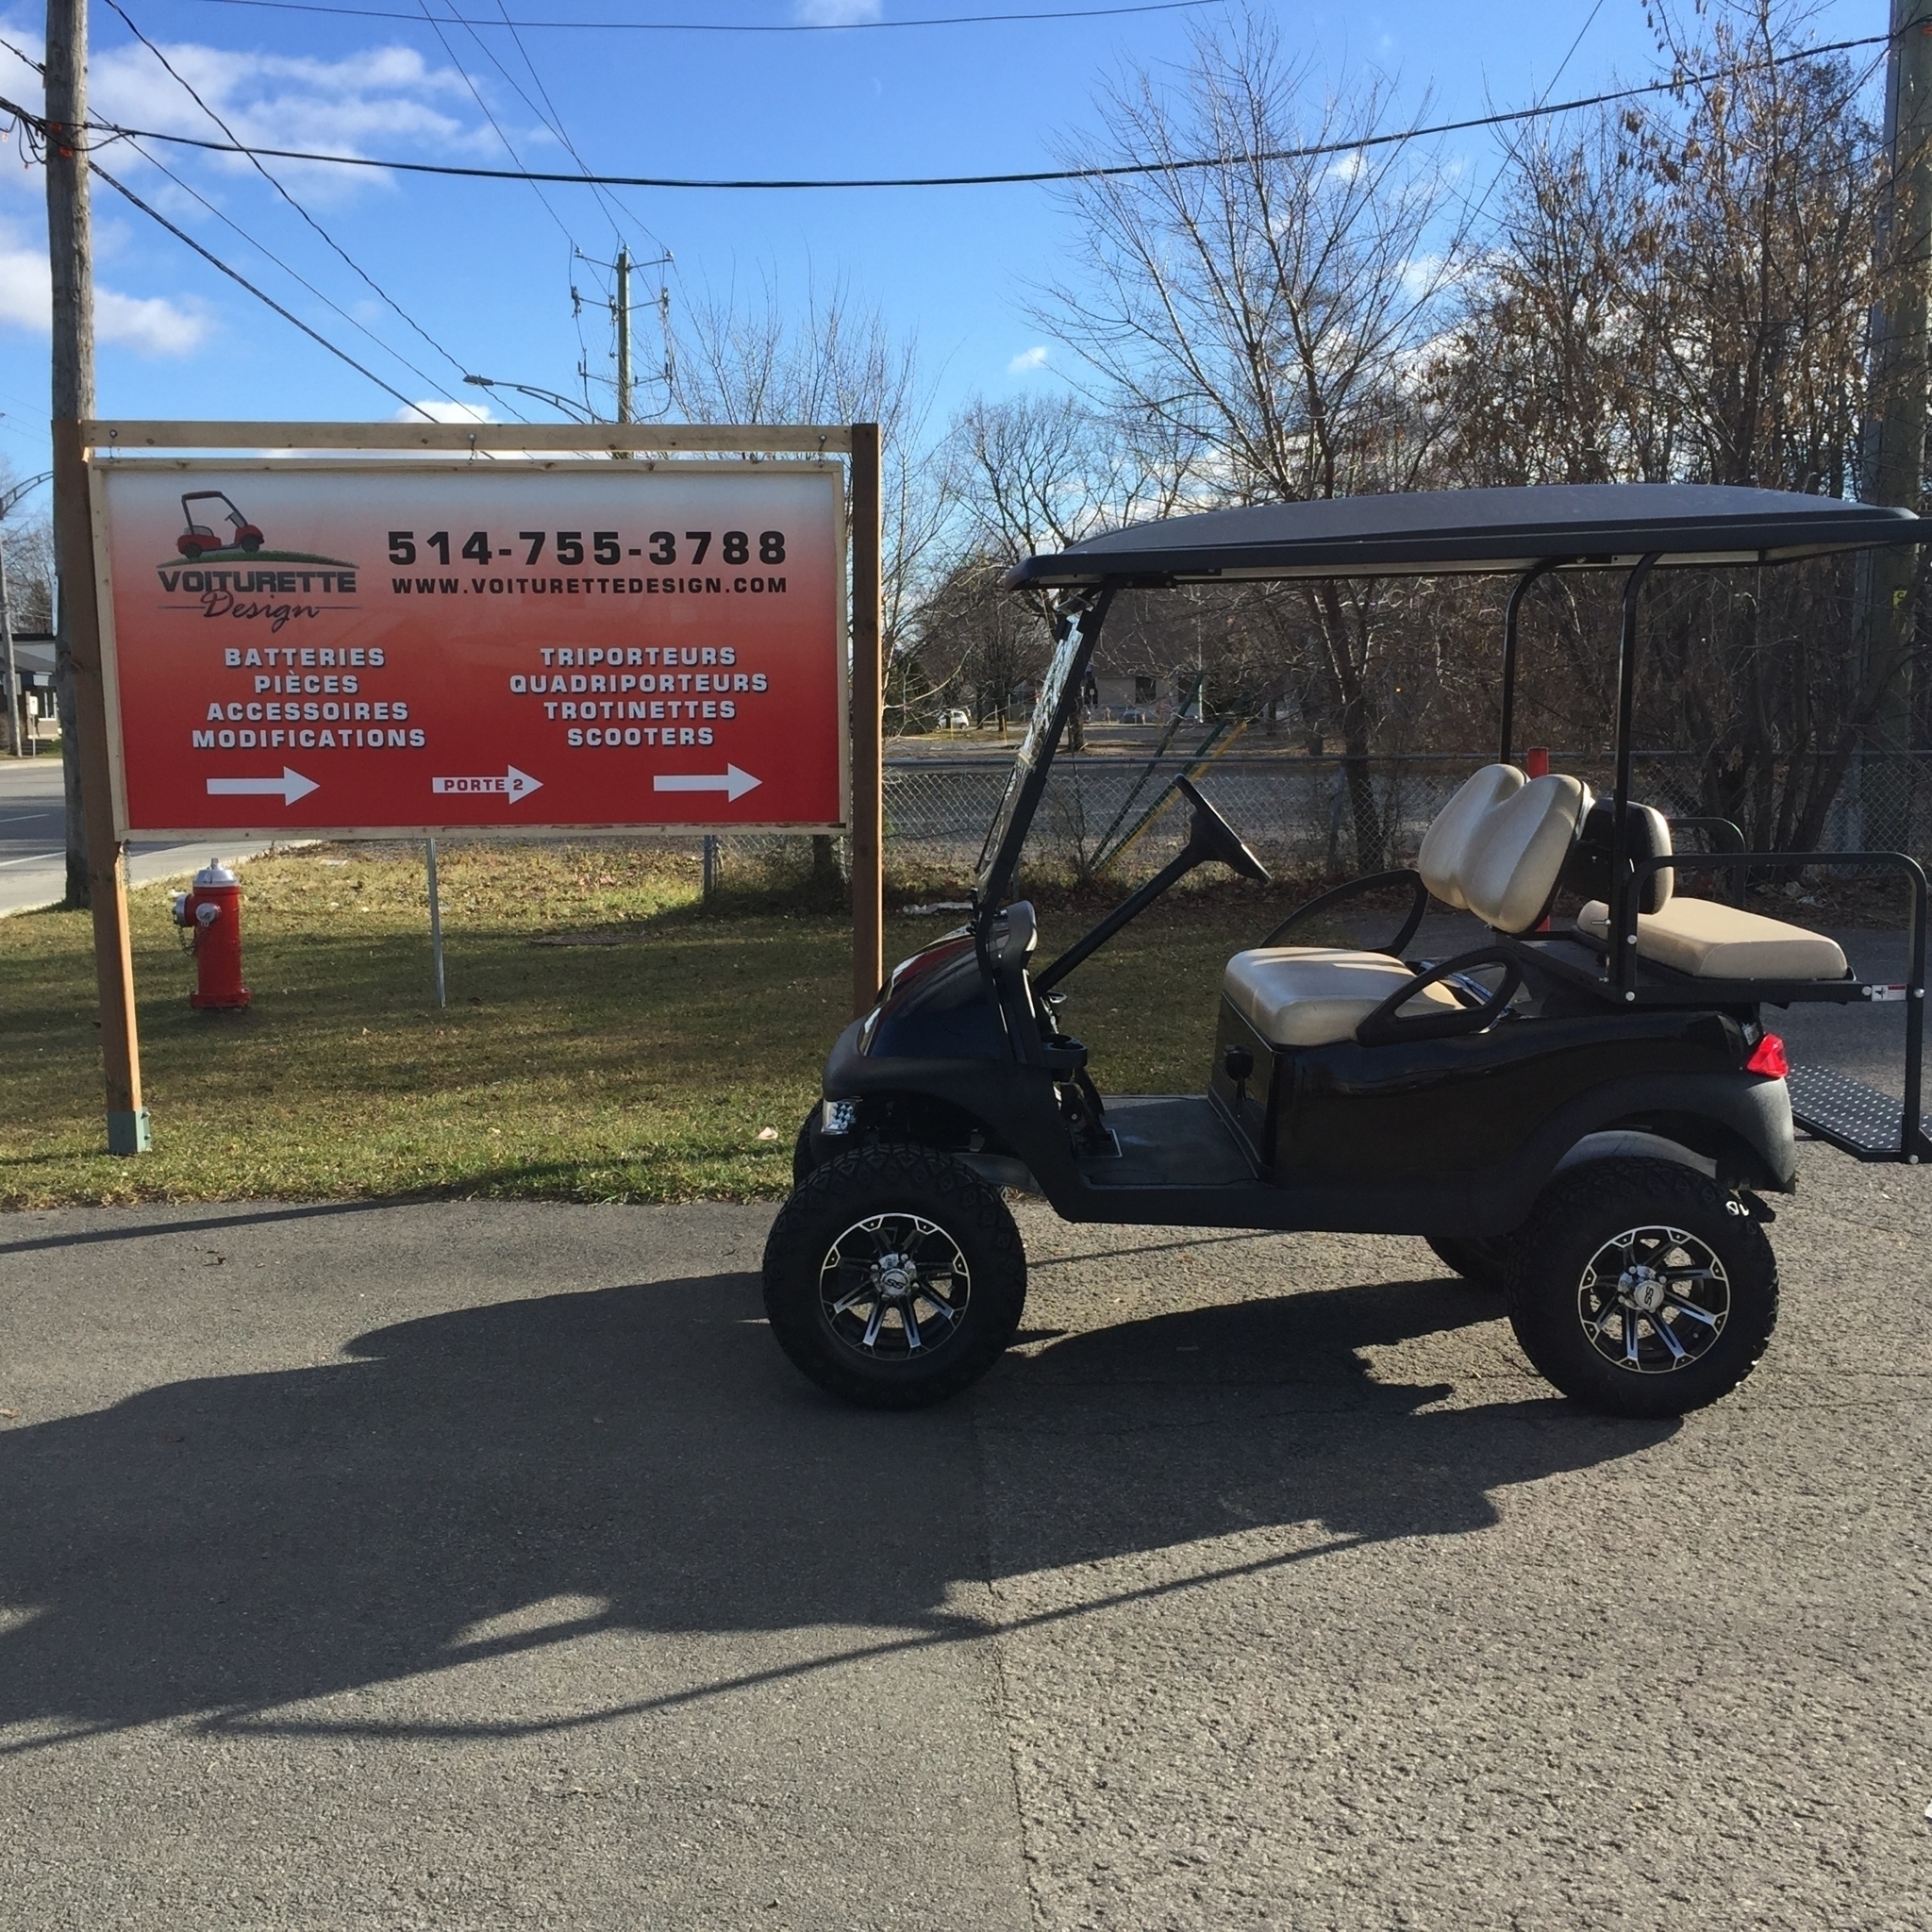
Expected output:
(1582, 526)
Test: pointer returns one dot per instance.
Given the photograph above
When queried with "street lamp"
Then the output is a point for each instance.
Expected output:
(574, 411)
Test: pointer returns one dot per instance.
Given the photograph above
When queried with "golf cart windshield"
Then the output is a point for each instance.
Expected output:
(1008, 827)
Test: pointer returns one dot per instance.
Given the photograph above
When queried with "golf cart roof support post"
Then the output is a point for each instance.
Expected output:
(1083, 611)
(1624, 900)
(1518, 590)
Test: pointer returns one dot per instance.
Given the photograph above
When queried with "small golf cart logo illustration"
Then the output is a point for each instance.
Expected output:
(198, 541)
(219, 532)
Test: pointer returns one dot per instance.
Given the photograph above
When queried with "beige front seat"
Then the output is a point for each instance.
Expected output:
(1310, 995)
(1709, 940)
(1517, 851)
(1496, 849)
(1449, 844)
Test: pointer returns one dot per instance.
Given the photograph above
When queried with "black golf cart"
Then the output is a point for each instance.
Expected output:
(1586, 1115)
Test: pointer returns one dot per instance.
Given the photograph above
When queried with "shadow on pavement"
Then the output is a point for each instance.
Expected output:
(228, 1546)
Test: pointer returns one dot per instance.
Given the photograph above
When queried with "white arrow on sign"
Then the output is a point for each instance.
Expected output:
(513, 785)
(733, 783)
(290, 785)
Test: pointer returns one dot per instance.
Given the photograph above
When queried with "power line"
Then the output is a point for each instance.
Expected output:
(521, 172)
(235, 275)
(1516, 144)
(1018, 178)
(294, 274)
(716, 27)
(476, 95)
(188, 88)
(553, 120)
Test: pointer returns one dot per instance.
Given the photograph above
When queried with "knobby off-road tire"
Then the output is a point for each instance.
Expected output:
(1481, 1264)
(804, 1156)
(1642, 1287)
(894, 1276)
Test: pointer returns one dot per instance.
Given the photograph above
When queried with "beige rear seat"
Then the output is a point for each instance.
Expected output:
(1709, 940)
(1310, 995)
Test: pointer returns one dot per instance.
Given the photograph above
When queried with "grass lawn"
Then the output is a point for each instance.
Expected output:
(640, 1069)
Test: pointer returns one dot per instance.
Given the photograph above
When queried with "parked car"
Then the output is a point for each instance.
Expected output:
(955, 720)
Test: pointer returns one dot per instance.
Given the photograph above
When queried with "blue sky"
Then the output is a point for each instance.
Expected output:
(486, 268)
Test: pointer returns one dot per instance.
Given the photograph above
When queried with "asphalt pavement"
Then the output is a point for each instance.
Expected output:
(484, 1565)
(33, 840)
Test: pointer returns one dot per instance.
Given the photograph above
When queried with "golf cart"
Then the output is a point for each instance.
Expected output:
(1586, 1115)
(198, 539)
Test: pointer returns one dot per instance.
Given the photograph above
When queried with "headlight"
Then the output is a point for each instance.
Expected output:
(838, 1116)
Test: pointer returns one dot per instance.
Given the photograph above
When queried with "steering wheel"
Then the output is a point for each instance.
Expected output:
(1211, 836)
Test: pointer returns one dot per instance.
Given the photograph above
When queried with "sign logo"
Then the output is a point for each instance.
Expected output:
(224, 565)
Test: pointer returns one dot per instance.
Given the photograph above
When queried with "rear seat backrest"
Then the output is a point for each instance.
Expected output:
(1451, 842)
(1520, 851)
(1587, 874)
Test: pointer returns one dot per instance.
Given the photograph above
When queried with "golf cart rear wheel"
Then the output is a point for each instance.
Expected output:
(1642, 1288)
(1482, 1263)
(894, 1276)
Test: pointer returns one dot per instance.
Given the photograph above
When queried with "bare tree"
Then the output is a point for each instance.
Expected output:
(1040, 472)
(1268, 313)
(830, 360)
(1681, 293)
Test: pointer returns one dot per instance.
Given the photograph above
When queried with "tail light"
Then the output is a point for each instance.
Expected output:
(1768, 1058)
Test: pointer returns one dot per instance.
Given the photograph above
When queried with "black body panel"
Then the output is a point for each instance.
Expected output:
(1444, 1137)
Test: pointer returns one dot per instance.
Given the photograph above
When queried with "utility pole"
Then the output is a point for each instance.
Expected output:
(620, 310)
(624, 414)
(1895, 449)
(70, 249)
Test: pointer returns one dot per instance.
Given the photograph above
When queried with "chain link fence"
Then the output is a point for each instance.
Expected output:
(1295, 811)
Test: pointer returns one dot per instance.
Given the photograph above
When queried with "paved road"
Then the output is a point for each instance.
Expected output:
(482, 1565)
(33, 822)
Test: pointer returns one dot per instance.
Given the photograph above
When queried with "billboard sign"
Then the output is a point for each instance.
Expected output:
(331, 647)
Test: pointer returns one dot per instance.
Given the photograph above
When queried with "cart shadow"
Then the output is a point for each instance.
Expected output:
(508, 1478)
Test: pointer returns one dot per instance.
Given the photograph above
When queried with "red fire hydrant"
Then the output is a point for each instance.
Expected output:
(213, 915)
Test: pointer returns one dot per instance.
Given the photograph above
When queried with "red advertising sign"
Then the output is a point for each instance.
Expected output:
(315, 646)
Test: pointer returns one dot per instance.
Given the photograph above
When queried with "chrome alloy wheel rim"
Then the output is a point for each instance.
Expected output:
(894, 1287)
(1654, 1300)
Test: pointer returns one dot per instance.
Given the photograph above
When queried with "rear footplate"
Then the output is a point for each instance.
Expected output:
(1856, 1119)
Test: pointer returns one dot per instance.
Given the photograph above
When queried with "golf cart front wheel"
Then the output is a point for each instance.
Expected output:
(894, 1276)
(1642, 1287)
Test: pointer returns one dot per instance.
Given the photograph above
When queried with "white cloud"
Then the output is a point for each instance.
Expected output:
(835, 13)
(446, 413)
(149, 324)
(382, 99)
(1422, 275)
(25, 297)
(377, 100)
(1027, 361)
